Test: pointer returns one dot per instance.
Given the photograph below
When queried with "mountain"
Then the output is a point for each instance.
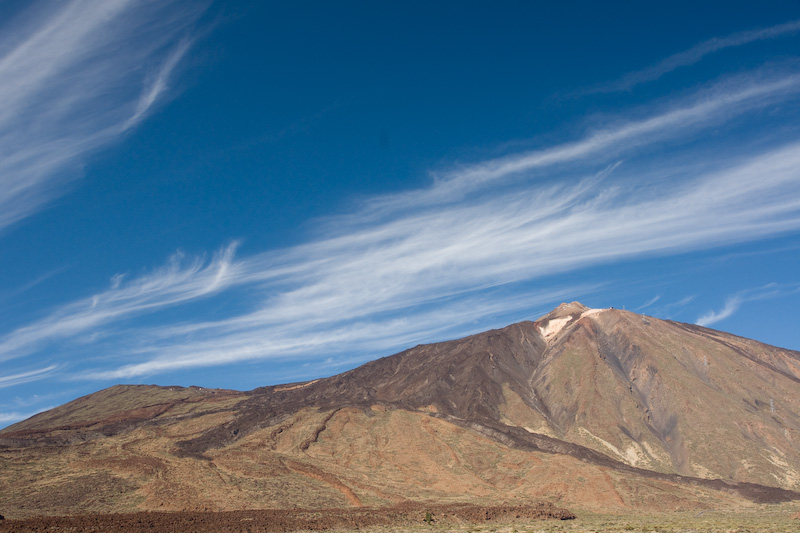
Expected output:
(597, 409)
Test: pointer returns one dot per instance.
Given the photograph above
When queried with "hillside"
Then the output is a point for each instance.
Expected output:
(597, 409)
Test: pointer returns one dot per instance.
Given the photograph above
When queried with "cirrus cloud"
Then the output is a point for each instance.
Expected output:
(481, 242)
(77, 75)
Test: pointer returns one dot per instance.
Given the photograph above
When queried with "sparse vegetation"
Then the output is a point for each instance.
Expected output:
(773, 519)
(326, 445)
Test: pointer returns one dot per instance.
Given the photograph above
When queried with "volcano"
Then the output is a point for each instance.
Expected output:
(597, 409)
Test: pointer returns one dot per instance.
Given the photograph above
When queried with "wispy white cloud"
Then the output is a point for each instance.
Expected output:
(732, 305)
(686, 300)
(711, 107)
(11, 417)
(9, 380)
(667, 310)
(30, 285)
(241, 339)
(177, 282)
(160, 83)
(475, 244)
(696, 53)
(649, 302)
(76, 76)
(22, 407)
(734, 302)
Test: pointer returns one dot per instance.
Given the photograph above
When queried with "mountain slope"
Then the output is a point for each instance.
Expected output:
(594, 408)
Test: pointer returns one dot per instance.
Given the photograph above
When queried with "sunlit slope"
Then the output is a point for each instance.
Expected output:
(593, 409)
(320, 459)
(669, 397)
(118, 409)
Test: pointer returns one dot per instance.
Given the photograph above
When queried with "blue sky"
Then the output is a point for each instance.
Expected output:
(203, 193)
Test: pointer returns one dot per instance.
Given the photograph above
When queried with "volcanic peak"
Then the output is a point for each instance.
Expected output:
(641, 406)
(551, 324)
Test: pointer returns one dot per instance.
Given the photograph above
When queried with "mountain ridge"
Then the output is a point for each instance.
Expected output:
(660, 404)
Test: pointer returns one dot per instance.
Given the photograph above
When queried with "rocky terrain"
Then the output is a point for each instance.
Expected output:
(587, 409)
(293, 520)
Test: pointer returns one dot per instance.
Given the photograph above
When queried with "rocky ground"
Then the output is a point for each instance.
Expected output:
(454, 518)
(402, 517)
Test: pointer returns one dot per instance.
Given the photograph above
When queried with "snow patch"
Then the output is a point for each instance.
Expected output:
(554, 326)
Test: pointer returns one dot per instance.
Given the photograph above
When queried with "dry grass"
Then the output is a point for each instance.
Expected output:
(773, 519)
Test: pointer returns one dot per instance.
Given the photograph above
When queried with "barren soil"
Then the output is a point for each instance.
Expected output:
(293, 520)
(783, 518)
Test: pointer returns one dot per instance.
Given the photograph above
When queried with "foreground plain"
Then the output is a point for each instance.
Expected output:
(500, 519)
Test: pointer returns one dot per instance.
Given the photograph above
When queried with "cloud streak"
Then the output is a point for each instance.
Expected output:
(16, 416)
(177, 282)
(25, 377)
(649, 302)
(481, 243)
(711, 107)
(696, 53)
(76, 76)
(734, 302)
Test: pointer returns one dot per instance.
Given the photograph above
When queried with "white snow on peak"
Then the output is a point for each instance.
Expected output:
(589, 312)
(554, 326)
